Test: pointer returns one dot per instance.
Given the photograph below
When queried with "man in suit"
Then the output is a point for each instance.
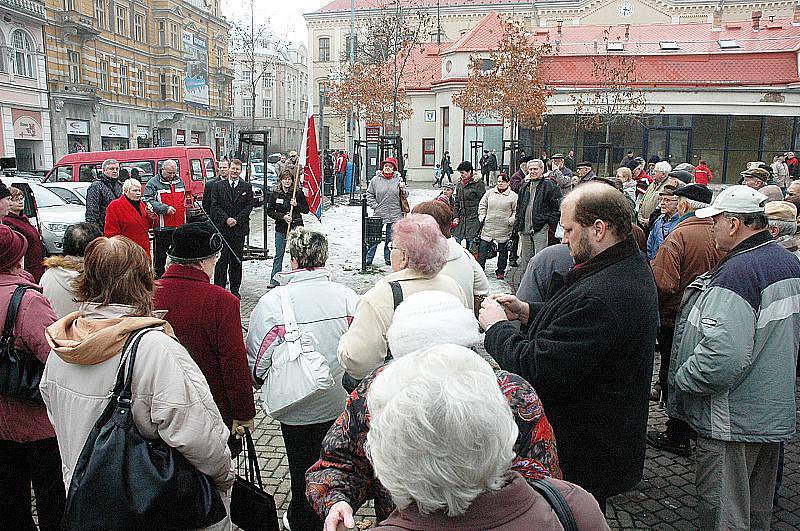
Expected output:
(229, 209)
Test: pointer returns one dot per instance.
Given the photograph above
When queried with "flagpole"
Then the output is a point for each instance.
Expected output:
(292, 201)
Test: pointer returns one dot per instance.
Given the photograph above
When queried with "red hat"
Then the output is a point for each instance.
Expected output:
(390, 160)
(12, 247)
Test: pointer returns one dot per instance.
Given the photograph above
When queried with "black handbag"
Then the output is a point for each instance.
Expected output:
(123, 481)
(20, 372)
(557, 502)
(252, 509)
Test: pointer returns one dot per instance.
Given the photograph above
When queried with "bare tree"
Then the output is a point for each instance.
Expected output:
(509, 82)
(614, 100)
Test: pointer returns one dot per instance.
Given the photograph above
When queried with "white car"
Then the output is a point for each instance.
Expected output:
(73, 193)
(54, 215)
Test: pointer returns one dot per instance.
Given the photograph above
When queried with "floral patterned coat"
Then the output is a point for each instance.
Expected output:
(344, 473)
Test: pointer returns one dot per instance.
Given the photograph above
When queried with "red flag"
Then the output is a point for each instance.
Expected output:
(312, 171)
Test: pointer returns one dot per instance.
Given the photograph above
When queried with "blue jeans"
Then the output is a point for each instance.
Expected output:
(277, 262)
(386, 250)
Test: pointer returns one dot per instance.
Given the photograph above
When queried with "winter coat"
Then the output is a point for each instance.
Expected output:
(493, 166)
(590, 366)
(688, 252)
(661, 229)
(703, 175)
(497, 211)
(98, 196)
(383, 197)
(214, 342)
(562, 177)
(344, 472)
(732, 369)
(789, 243)
(171, 399)
(322, 308)
(122, 219)
(363, 347)
(279, 204)
(161, 195)
(35, 253)
(546, 204)
(231, 203)
(780, 173)
(538, 274)
(462, 267)
(57, 283)
(514, 507)
(467, 200)
(649, 202)
(794, 167)
(516, 181)
(25, 420)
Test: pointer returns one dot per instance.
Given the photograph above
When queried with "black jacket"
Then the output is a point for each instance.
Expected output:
(279, 204)
(98, 196)
(588, 352)
(225, 203)
(467, 200)
(546, 204)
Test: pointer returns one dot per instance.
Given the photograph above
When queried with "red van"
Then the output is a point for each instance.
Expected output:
(196, 166)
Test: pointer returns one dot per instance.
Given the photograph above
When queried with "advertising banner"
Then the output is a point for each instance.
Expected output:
(195, 84)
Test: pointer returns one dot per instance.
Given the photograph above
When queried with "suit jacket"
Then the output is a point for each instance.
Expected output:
(226, 202)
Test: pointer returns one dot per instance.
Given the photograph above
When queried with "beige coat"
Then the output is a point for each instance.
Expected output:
(497, 211)
(363, 347)
(171, 398)
(56, 283)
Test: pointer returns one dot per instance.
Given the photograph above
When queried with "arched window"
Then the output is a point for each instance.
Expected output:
(23, 54)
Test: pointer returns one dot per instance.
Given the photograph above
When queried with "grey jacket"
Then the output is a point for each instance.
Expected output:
(383, 197)
(732, 370)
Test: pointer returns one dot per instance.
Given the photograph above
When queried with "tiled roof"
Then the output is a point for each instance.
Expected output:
(363, 5)
(485, 35)
(424, 67)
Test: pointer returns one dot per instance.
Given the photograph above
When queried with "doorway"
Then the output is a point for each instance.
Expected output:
(670, 144)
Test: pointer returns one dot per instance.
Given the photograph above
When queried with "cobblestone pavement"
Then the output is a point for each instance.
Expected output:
(664, 500)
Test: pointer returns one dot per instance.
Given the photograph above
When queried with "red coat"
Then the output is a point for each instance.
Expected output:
(34, 256)
(122, 219)
(703, 175)
(207, 322)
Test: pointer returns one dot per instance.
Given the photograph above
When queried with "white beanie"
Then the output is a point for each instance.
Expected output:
(429, 318)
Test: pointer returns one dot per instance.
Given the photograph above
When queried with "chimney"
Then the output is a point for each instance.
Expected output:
(559, 24)
(756, 20)
(716, 19)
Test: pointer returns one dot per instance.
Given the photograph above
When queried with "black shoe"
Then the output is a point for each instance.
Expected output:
(513, 263)
(660, 440)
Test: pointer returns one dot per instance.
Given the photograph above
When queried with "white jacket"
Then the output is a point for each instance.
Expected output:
(56, 283)
(321, 307)
(497, 211)
(171, 398)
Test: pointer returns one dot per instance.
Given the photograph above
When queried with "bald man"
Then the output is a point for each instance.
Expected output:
(588, 350)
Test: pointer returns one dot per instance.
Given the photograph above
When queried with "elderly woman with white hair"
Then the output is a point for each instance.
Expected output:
(445, 397)
(129, 216)
(418, 253)
(343, 479)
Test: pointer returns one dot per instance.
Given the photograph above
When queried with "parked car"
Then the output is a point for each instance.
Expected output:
(196, 165)
(72, 193)
(49, 213)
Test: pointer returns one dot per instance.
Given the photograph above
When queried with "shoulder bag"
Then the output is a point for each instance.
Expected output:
(20, 372)
(404, 207)
(557, 502)
(298, 370)
(252, 509)
(123, 481)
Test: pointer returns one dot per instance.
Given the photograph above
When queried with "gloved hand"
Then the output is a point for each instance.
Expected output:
(239, 425)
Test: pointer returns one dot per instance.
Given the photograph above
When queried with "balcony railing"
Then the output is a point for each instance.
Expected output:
(83, 24)
(27, 7)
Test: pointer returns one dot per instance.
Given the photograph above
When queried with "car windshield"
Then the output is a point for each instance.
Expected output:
(70, 196)
(46, 198)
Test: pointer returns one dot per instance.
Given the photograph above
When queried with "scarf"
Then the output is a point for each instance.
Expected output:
(466, 180)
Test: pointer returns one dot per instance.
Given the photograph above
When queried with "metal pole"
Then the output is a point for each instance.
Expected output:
(364, 233)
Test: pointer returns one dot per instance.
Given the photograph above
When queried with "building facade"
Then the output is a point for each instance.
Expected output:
(279, 107)
(24, 114)
(728, 106)
(128, 74)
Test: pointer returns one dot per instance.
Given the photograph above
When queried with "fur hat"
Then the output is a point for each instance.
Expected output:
(429, 318)
(193, 242)
(12, 247)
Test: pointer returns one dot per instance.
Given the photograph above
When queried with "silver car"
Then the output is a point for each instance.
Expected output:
(73, 193)
(54, 216)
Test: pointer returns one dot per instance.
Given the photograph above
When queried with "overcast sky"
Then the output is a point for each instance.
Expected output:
(284, 16)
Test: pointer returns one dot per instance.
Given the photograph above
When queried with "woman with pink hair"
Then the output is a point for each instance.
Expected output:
(418, 253)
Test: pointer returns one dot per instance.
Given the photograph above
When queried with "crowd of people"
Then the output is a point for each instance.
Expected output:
(446, 405)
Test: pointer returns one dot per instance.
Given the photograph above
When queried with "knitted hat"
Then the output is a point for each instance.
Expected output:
(12, 247)
(193, 242)
(429, 318)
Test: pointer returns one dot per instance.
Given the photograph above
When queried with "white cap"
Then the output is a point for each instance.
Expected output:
(738, 199)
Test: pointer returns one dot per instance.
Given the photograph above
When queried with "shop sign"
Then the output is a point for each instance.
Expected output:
(142, 131)
(78, 127)
(430, 116)
(373, 131)
(180, 137)
(114, 130)
(26, 128)
(218, 132)
(195, 138)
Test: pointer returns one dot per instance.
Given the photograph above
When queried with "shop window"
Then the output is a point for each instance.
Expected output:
(777, 136)
(211, 172)
(197, 170)
(709, 132)
(737, 163)
(745, 133)
(23, 53)
(428, 152)
(324, 49)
